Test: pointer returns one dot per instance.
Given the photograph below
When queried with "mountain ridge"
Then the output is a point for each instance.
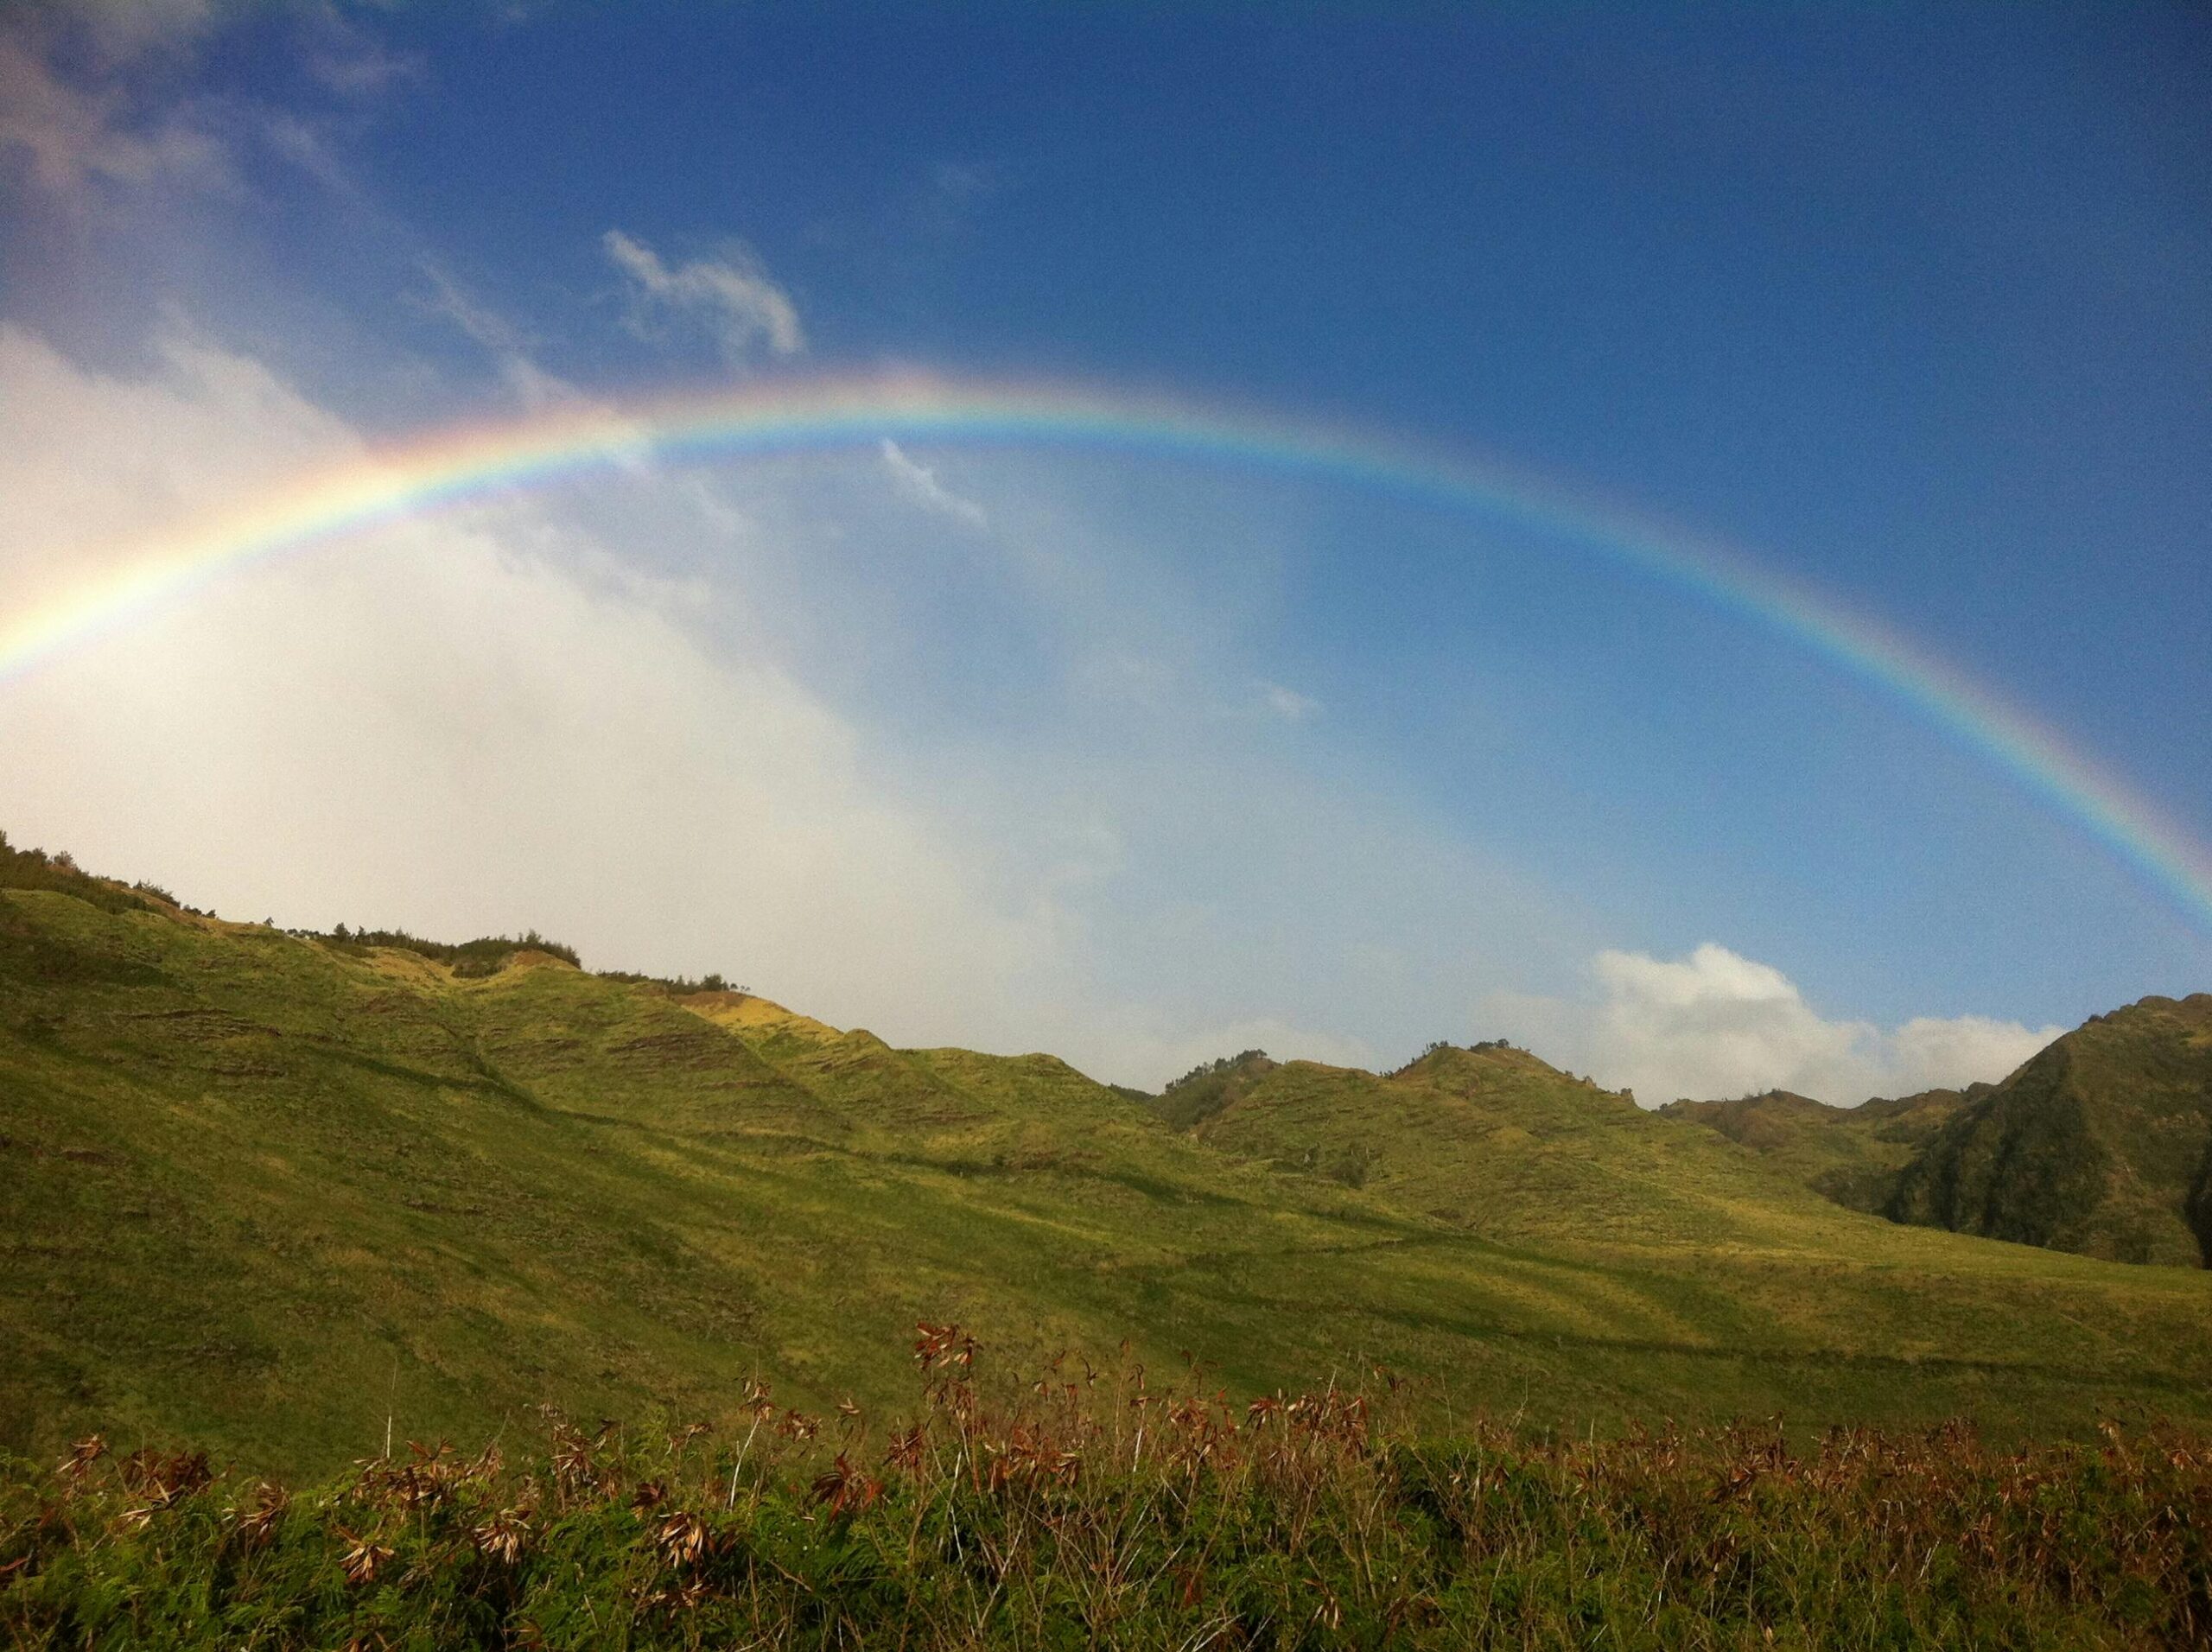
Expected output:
(2100, 1144)
(1853, 1155)
(280, 1193)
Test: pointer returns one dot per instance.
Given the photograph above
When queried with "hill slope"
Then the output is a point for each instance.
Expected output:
(1853, 1155)
(2101, 1144)
(278, 1193)
(1493, 1140)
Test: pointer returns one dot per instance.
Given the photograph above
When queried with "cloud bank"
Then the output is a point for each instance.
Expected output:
(1716, 1024)
(451, 728)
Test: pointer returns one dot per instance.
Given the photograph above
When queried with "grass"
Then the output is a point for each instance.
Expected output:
(1090, 1508)
(278, 1194)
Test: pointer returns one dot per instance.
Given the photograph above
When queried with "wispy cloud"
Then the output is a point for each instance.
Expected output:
(955, 194)
(76, 136)
(1287, 703)
(918, 482)
(122, 34)
(91, 94)
(509, 347)
(347, 58)
(965, 181)
(1717, 1024)
(731, 298)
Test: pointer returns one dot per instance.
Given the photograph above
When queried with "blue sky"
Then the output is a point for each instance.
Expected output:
(1144, 756)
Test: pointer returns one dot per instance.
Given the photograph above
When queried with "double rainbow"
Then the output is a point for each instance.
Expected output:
(787, 417)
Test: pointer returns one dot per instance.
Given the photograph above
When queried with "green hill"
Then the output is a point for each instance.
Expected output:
(1853, 1155)
(278, 1193)
(2101, 1144)
(1493, 1141)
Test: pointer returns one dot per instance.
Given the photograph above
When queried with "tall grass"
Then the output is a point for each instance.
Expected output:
(1101, 1508)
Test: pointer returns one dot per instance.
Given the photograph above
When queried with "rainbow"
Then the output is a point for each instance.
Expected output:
(453, 465)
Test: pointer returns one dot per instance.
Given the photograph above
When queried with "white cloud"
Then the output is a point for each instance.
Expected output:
(1717, 1024)
(953, 195)
(918, 483)
(732, 298)
(964, 182)
(87, 459)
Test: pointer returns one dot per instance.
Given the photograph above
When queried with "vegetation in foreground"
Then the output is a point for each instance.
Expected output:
(1096, 1509)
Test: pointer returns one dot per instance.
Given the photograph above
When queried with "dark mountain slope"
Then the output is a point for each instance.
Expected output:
(2101, 1144)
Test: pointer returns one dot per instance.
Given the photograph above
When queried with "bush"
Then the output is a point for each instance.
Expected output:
(675, 986)
(1210, 1087)
(485, 956)
(36, 869)
(1087, 1508)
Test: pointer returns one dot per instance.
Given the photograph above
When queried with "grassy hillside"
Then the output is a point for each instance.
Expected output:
(277, 1193)
(2101, 1144)
(1495, 1140)
(1853, 1155)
